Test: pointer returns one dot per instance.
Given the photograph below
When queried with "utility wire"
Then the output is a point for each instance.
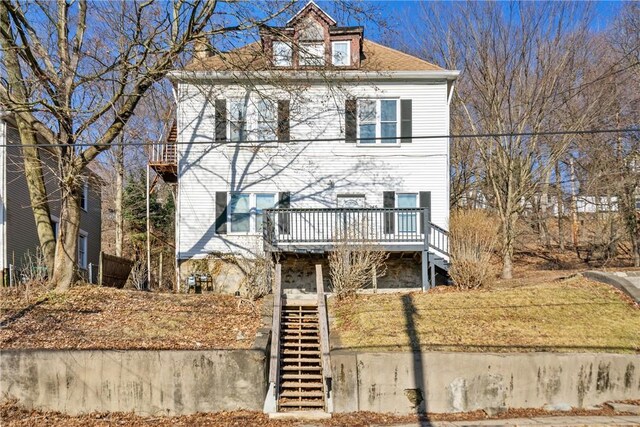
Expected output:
(343, 139)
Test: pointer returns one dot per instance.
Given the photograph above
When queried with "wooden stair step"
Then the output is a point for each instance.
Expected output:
(296, 315)
(288, 351)
(302, 403)
(301, 368)
(301, 345)
(292, 323)
(303, 313)
(295, 393)
(296, 384)
(301, 337)
(300, 332)
(301, 360)
(288, 376)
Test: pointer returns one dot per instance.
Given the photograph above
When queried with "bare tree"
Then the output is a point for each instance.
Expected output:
(521, 64)
(59, 59)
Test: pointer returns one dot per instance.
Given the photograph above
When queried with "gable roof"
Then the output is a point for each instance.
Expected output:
(251, 57)
(311, 6)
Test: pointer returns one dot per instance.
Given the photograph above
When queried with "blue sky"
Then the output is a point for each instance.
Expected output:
(397, 11)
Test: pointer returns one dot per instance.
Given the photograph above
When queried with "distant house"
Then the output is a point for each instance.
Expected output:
(18, 235)
(286, 144)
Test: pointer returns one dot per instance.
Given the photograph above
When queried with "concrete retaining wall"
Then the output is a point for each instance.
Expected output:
(146, 382)
(406, 382)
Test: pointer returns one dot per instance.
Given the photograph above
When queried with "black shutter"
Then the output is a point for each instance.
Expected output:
(284, 220)
(389, 201)
(350, 120)
(221, 120)
(425, 202)
(221, 212)
(406, 130)
(283, 120)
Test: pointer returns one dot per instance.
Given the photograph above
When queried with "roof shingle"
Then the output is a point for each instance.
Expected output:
(376, 57)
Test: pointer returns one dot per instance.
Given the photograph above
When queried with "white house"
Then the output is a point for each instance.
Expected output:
(324, 126)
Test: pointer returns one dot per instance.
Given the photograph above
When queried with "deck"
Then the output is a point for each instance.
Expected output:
(163, 158)
(320, 230)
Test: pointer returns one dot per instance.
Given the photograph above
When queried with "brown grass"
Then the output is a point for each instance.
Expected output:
(568, 315)
(90, 317)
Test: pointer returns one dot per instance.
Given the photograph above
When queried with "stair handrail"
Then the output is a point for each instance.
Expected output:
(323, 326)
(442, 239)
(274, 357)
(157, 150)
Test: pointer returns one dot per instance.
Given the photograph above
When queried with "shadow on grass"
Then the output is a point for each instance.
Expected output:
(417, 395)
(13, 318)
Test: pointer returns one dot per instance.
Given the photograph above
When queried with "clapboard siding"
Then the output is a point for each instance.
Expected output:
(315, 172)
(21, 233)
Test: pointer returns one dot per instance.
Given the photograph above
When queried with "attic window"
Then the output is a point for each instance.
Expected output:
(341, 53)
(311, 54)
(282, 54)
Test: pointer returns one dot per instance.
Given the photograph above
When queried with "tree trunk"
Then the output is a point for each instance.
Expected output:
(627, 208)
(37, 193)
(574, 207)
(65, 266)
(32, 162)
(508, 237)
(560, 204)
(119, 191)
(544, 205)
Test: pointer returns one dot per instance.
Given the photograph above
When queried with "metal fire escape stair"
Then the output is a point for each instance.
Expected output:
(301, 384)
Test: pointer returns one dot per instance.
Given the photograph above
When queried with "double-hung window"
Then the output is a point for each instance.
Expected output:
(267, 120)
(282, 54)
(240, 212)
(407, 221)
(82, 250)
(311, 54)
(378, 121)
(83, 194)
(341, 53)
(263, 201)
(246, 211)
(237, 120)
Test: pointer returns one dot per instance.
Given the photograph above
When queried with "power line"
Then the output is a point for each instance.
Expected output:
(343, 139)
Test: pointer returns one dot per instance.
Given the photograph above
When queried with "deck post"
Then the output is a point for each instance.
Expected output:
(425, 270)
(426, 256)
(432, 266)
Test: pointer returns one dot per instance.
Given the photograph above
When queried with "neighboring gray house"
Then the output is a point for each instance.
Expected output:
(18, 235)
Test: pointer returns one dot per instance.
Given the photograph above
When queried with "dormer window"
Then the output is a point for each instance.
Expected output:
(311, 40)
(341, 51)
(311, 54)
(282, 54)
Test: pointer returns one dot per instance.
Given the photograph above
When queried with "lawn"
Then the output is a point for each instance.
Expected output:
(91, 317)
(570, 315)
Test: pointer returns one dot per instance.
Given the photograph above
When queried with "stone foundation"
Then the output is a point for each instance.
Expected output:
(298, 272)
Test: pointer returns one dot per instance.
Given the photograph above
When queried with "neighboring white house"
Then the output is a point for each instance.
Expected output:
(312, 116)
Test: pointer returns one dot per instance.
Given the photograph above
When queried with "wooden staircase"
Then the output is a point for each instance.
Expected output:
(301, 382)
